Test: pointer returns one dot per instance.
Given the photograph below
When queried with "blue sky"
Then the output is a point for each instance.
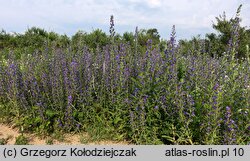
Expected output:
(191, 17)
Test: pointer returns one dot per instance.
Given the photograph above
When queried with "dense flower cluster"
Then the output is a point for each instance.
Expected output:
(152, 97)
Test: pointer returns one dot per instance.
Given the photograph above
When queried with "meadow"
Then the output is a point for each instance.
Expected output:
(119, 92)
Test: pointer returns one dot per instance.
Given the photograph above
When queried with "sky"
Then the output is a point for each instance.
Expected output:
(190, 17)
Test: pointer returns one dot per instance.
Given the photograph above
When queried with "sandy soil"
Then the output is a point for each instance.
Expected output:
(9, 133)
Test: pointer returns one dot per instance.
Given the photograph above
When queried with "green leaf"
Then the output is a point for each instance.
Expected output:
(38, 120)
(35, 107)
(117, 119)
(50, 113)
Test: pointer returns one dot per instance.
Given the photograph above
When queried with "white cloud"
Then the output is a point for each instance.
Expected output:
(154, 3)
(67, 15)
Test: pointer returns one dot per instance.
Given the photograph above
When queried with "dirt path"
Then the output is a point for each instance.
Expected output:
(10, 134)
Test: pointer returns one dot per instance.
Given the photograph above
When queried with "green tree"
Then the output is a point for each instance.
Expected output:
(4, 39)
(153, 34)
(144, 35)
(229, 29)
(128, 37)
(96, 38)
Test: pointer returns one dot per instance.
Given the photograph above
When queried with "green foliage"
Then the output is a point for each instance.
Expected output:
(49, 141)
(128, 37)
(93, 40)
(21, 140)
(132, 87)
(219, 43)
(230, 33)
(3, 141)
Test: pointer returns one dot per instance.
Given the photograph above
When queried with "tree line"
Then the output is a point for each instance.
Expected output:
(214, 43)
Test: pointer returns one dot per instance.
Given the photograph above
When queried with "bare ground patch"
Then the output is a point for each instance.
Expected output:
(9, 134)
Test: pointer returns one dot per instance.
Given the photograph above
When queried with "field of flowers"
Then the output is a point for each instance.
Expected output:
(119, 93)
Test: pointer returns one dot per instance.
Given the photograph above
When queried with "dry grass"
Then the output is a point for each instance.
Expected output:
(9, 134)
